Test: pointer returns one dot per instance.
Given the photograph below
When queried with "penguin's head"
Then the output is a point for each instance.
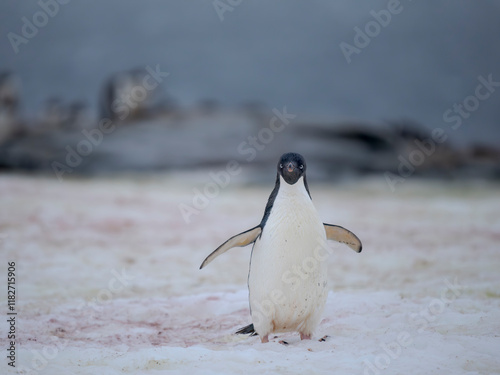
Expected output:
(291, 167)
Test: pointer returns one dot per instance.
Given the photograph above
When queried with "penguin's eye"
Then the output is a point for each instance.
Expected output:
(301, 166)
(281, 166)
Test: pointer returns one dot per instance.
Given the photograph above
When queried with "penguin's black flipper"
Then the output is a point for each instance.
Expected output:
(247, 330)
(342, 235)
(239, 240)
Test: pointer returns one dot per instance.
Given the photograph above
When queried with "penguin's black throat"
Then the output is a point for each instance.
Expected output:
(291, 167)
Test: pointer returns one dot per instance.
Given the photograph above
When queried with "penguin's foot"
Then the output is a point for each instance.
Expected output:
(304, 337)
(264, 339)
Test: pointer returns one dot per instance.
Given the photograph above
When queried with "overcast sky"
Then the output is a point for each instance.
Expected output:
(427, 57)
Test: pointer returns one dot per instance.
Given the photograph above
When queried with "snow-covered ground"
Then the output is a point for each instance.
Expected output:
(108, 283)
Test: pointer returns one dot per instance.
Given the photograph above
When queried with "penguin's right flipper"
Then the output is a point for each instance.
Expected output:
(342, 235)
(239, 240)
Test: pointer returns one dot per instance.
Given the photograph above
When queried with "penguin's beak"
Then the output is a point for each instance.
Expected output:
(290, 167)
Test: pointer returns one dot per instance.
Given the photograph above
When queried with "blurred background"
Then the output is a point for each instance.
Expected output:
(99, 87)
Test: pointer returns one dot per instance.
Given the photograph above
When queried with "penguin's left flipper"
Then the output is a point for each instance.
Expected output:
(342, 235)
(239, 240)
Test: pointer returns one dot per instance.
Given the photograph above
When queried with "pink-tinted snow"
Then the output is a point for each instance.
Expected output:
(108, 280)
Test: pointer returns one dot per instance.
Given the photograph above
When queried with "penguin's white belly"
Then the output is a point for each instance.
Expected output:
(288, 275)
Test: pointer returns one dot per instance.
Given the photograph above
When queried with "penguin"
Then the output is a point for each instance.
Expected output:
(287, 279)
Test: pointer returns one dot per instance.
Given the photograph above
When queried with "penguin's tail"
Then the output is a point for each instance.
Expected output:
(247, 330)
